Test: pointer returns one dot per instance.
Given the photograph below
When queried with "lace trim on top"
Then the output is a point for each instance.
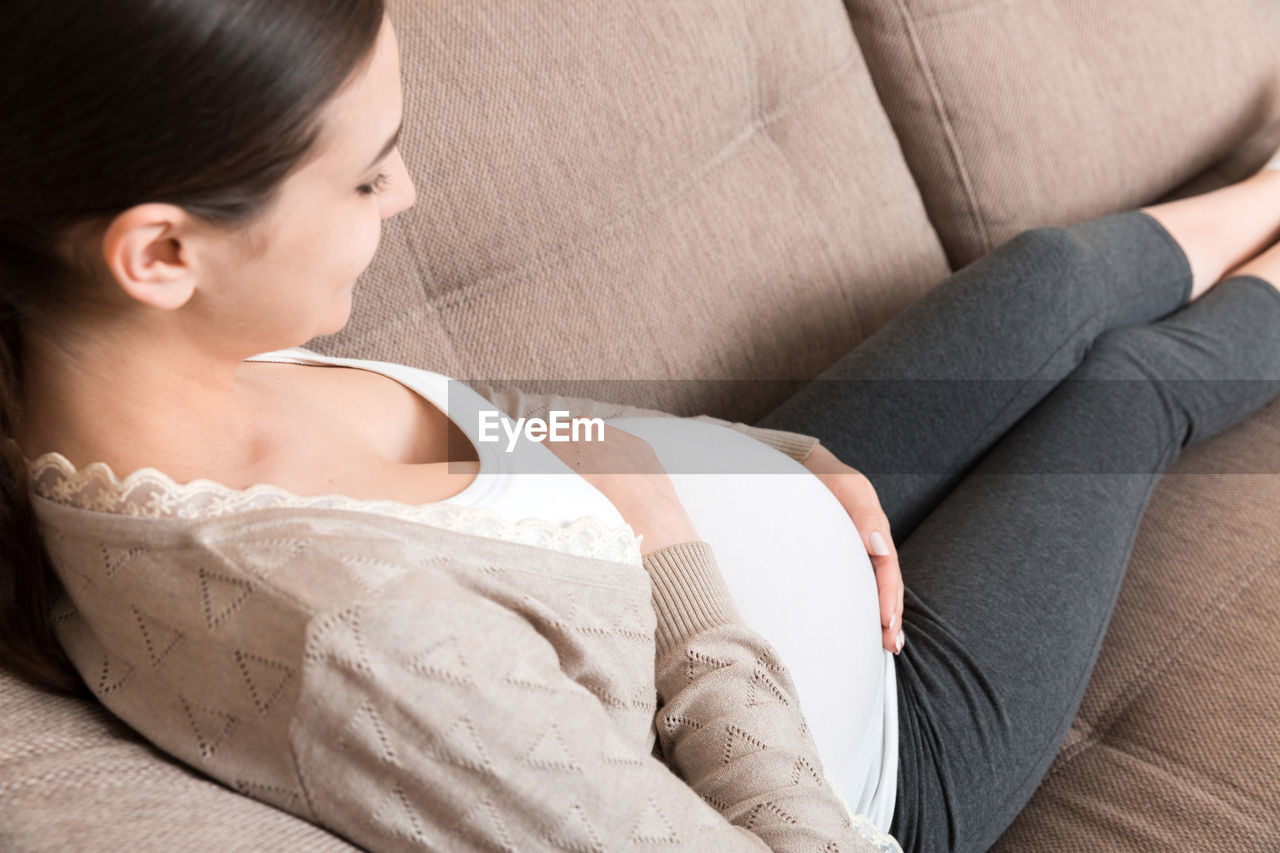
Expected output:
(150, 493)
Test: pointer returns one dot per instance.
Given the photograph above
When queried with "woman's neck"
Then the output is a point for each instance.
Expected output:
(142, 401)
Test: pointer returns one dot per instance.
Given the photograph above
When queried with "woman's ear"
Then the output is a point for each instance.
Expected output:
(144, 249)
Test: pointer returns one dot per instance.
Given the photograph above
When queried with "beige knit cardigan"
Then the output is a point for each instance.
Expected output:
(412, 687)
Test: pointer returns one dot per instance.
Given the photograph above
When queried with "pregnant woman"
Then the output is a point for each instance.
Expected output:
(327, 590)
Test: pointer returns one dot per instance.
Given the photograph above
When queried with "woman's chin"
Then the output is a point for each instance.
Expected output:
(340, 315)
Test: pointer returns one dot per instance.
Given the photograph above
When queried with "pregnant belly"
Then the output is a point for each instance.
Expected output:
(796, 568)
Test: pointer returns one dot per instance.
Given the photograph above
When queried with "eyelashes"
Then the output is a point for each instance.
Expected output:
(375, 186)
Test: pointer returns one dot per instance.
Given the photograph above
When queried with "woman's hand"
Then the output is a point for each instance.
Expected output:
(858, 497)
(626, 470)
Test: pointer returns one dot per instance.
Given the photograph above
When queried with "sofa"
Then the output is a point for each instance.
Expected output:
(733, 193)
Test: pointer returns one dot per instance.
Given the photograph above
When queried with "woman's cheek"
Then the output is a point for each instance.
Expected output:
(366, 243)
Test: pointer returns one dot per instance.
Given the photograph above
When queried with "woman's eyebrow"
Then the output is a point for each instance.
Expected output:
(386, 149)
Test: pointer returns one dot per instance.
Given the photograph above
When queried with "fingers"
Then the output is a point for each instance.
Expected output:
(858, 497)
(873, 524)
(890, 588)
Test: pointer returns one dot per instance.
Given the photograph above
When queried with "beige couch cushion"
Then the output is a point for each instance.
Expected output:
(73, 777)
(1174, 747)
(659, 190)
(1016, 114)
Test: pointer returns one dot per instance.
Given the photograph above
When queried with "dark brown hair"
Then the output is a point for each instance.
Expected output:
(204, 104)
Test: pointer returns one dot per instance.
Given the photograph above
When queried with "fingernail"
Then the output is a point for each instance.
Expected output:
(902, 638)
(893, 617)
(878, 547)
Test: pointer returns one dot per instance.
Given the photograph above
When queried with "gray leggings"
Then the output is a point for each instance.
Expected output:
(1015, 496)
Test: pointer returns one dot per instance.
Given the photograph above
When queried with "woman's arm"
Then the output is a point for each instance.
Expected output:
(520, 404)
(445, 721)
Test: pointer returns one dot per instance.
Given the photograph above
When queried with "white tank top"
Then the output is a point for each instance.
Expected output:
(791, 557)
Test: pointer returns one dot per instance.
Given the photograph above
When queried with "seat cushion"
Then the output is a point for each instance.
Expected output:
(1174, 746)
(1016, 114)
(663, 190)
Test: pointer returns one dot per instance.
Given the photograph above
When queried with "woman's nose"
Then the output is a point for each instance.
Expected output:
(401, 193)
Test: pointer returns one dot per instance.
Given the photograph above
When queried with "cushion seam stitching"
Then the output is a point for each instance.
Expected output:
(948, 128)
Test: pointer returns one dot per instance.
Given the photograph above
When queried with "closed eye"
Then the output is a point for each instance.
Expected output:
(375, 186)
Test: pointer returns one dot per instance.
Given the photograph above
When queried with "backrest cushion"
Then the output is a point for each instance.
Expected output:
(1017, 114)
(658, 190)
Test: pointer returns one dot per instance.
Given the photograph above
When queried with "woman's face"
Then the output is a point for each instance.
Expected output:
(322, 230)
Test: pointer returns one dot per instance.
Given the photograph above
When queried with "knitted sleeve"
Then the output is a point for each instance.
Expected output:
(449, 724)
(517, 404)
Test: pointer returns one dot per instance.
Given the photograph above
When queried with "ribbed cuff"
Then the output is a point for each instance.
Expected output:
(796, 445)
(689, 593)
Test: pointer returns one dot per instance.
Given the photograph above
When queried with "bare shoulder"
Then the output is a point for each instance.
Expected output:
(393, 420)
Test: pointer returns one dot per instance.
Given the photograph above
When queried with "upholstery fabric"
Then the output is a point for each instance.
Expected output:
(75, 778)
(713, 184)
(1017, 113)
